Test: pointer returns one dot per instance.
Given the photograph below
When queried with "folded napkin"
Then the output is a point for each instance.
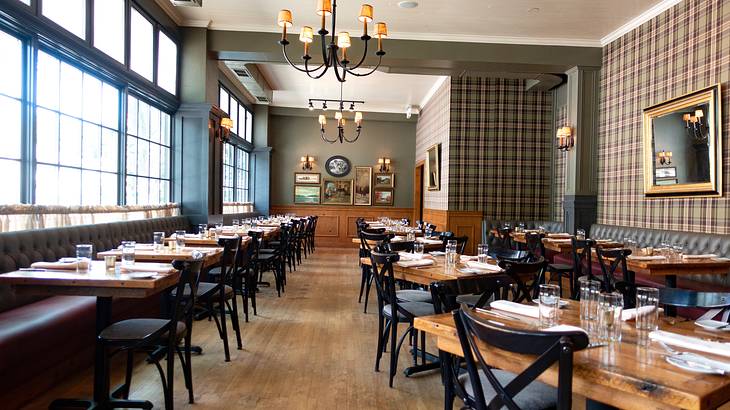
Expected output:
(630, 314)
(689, 342)
(703, 256)
(466, 258)
(565, 328)
(647, 258)
(416, 263)
(407, 256)
(520, 309)
(398, 239)
(483, 266)
(55, 265)
(558, 235)
(146, 267)
(429, 241)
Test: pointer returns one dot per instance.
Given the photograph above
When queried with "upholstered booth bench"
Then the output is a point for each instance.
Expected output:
(43, 339)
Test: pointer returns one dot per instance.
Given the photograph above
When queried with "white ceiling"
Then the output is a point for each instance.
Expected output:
(382, 92)
(560, 22)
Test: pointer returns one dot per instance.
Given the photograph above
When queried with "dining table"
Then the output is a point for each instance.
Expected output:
(429, 244)
(103, 284)
(630, 374)
(167, 254)
(196, 240)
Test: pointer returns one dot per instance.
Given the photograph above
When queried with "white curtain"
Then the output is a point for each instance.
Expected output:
(237, 207)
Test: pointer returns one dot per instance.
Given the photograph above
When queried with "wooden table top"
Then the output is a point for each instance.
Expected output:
(714, 266)
(426, 246)
(196, 240)
(429, 274)
(211, 256)
(631, 374)
(97, 282)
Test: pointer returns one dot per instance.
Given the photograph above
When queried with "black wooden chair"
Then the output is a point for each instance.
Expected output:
(504, 236)
(391, 312)
(474, 291)
(527, 277)
(502, 254)
(613, 262)
(247, 278)
(369, 241)
(407, 293)
(536, 247)
(262, 262)
(485, 387)
(581, 251)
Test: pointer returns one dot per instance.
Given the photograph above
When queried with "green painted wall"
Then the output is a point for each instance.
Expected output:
(293, 135)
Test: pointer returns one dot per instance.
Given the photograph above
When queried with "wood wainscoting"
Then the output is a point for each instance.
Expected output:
(461, 223)
(336, 224)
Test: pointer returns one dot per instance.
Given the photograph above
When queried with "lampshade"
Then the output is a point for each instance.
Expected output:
(669, 154)
(285, 19)
(307, 35)
(303, 159)
(227, 123)
(381, 30)
(322, 120)
(693, 119)
(310, 159)
(358, 117)
(366, 13)
(661, 154)
(387, 161)
(381, 161)
(338, 115)
(342, 122)
(699, 114)
(686, 117)
(324, 7)
(343, 40)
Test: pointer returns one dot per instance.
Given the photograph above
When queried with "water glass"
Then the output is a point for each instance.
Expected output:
(678, 252)
(235, 223)
(589, 290)
(549, 305)
(83, 258)
(541, 229)
(610, 306)
(128, 248)
(451, 243)
(418, 249)
(158, 239)
(451, 256)
(428, 232)
(520, 227)
(482, 253)
(647, 308)
(411, 236)
(202, 230)
(580, 234)
(180, 239)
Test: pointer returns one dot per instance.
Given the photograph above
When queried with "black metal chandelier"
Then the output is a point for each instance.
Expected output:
(339, 117)
(340, 63)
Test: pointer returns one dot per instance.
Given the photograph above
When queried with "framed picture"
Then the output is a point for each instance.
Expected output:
(338, 166)
(307, 178)
(307, 194)
(337, 192)
(363, 185)
(385, 180)
(669, 172)
(384, 196)
(433, 168)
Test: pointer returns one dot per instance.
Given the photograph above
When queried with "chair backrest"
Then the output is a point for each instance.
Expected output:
(382, 268)
(229, 259)
(502, 254)
(444, 292)
(255, 243)
(550, 347)
(526, 275)
(612, 261)
(534, 243)
(581, 251)
(183, 302)
(399, 246)
(504, 237)
(369, 241)
(461, 242)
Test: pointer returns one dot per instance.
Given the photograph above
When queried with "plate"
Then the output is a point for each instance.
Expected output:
(562, 303)
(437, 253)
(692, 366)
(713, 325)
(141, 275)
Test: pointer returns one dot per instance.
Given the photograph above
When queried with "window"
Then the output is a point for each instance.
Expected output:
(249, 126)
(69, 14)
(11, 96)
(109, 27)
(148, 154)
(235, 174)
(167, 63)
(240, 115)
(142, 43)
(77, 136)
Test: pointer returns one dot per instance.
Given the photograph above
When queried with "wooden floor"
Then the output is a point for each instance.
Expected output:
(312, 348)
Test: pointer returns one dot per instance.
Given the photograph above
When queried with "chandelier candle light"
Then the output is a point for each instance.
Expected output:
(339, 117)
(341, 41)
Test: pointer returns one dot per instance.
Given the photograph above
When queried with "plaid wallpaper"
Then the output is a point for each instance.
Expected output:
(433, 128)
(683, 49)
(500, 152)
(559, 164)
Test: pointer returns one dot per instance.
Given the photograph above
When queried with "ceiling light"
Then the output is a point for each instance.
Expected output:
(324, 107)
(534, 10)
(408, 4)
(352, 107)
(311, 106)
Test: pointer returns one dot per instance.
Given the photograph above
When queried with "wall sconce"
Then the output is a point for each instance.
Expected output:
(384, 164)
(565, 138)
(664, 157)
(221, 130)
(695, 128)
(307, 163)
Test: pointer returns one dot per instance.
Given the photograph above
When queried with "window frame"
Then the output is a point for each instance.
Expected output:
(238, 147)
(250, 114)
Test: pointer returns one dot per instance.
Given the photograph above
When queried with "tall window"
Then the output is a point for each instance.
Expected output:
(235, 174)
(167, 63)
(69, 14)
(11, 95)
(109, 27)
(148, 154)
(142, 43)
(241, 116)
(77, 136)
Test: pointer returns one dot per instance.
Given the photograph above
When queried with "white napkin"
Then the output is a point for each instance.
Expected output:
(689, 342)
(647, 258)
(146, 267)
(416, 263)
(483, 266)
(407, 256)
(429, 241)
(520, 309)
(630, 314)
(54, 265)
(398, 239)
(466, 258)
(565, 328)
(703, 256)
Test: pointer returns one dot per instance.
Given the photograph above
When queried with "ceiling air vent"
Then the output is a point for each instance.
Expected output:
(263, 100)
(187, 3)
(250, 77)
(241, 72)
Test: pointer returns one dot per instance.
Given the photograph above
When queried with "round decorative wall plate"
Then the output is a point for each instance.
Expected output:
(338, 166)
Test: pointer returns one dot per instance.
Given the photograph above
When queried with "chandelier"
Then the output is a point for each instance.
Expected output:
(696, 130)
(340, 63)
(339, 117)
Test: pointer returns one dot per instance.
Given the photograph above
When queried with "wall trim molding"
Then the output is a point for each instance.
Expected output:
(637, 21)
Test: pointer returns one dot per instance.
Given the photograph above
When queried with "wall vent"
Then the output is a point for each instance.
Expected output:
(187, 3)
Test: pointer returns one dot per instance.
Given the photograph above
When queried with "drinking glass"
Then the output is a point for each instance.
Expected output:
(541, 229)
(520, 227)
(451, 256)
(411, 236)
(580, 234)
(128, 248)
(678, 252)
(589, 290)
(610, 306)
(180, 239)
(202, 230)
(647, 308)
(418, 249)
(451, 243)
(482, 252)
(218, 230)
(235, 224)
(549, 303)
(83, 258)
(158, 239)
(428, 232)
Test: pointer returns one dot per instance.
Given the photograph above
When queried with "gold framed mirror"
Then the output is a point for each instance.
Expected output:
(683, 146)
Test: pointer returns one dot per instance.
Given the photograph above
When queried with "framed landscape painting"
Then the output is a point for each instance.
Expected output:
(385, 180)
(337, 192)
(363, 185)
(307, 194)
(433, 171)
(384, 196)
(307, 178)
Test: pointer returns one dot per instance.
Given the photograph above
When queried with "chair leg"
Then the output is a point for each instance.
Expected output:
(363, 279)
(128, 374)
(234, 321)
(188, 362)
(423, 347)
(393, 350)
(379, 352)
(223, 329)
(368, 284)
(244, 297)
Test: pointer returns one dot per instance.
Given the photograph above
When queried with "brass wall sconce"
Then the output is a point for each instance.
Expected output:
(307, 163)
(664, 157)
(565, 138)
(221, 130)
(695, 128)
(384, 164)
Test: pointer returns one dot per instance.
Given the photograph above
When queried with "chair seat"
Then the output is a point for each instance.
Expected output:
(414, 295)
(414, 308)
(471, 300)
(137, 329)
(265, 257)
(206, 289)
(536, 395)
(560, 267)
